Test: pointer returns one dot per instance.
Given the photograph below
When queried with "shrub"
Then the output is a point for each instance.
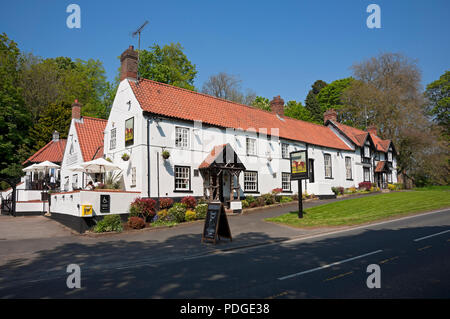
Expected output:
(365, 185)
(250, 199)
(277, 191)
(295, 197)
(165, 203)
(108, 224)
(399, 186)
(253, 204)
(352, 189)
(285, 199)
(391, 187)
(269, 198)
(260, 201)
(143, 207)
(200, 211)
(189, 215)
(335, 190)
(136, 222)
(245, 204)
(162, 215)
(202, 201)
(177, 212)
(189, 201)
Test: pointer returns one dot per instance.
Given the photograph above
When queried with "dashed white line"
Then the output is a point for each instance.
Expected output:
(429, 236)
(329, 265)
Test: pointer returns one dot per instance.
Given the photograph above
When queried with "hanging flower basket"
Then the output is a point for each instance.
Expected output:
(165, 154)
(125, 157)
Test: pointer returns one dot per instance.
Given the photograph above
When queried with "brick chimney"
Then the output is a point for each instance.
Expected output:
(76, 110)
(129, 64)
(277, 105)
(329, 115)
(372, 129)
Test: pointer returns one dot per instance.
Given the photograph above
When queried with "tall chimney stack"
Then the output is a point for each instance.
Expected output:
(76, 110)
(330, 114)
(277, 105)
(372, 129)
(129, 64)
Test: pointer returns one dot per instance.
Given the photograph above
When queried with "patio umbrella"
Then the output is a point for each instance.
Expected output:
(47, 165)
(99, 165)
(31, 168)
(76, 168)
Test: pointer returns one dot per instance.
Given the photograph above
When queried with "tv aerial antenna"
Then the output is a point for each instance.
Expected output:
(138, 33)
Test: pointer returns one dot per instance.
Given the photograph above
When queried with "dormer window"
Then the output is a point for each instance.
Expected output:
(389, 156)
(366, 151)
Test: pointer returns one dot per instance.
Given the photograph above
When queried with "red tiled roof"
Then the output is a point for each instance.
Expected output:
(52, 151)
(90, 136)
(359, 137)
(380, 167)
(212, 156)
(171, 101)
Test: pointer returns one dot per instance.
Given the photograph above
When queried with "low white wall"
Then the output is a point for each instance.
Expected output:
(23, 195)
(31, 207)
(70, 203)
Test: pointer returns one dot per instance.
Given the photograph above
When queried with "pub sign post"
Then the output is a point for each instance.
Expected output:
(299, 171)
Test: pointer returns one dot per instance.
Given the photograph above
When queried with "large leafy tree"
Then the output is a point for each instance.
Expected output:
(261, 103)
(297, 111)
(330, 96)
(438, 96)
(167, 64)
(14, 117)
(311, 103)
(387, 93)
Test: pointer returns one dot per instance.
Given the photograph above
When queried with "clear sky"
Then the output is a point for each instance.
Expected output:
(276, 47)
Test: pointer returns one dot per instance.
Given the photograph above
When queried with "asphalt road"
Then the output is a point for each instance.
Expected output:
(413, 254)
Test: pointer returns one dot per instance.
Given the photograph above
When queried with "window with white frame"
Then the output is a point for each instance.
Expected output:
(284, 150)
(327, 163)
(250, 181)
(251, 146)
(366, 174)
(367, 151)
(112, 140)
(348, 168)
(286, 182)
(182, 178)
(133, 176)
(75, 181)
(181, 137)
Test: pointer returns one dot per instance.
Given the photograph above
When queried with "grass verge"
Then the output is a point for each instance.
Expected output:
(367, 209)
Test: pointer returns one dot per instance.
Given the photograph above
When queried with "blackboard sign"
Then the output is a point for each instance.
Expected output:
(216, 223)
(105, 203)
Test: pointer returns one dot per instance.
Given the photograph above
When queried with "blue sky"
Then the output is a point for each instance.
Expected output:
(276, 47)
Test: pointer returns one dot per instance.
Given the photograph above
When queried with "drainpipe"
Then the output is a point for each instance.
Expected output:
(148, 158)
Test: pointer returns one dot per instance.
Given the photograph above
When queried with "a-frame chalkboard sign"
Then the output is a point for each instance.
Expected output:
(216, 223)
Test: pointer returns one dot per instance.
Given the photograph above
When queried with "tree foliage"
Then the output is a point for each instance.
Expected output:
(311, 103)
(330, 96)
(297, 111)
(438, 98)
(167, 64)
(261, 103)
(14, 117)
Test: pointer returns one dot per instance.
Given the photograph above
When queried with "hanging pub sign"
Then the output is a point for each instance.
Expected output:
(129, 131)
(299, 165)
(216, 223)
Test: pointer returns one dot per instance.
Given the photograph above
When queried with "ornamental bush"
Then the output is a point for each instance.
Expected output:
(392, 187)
(165, 203)
(285, 199)
(143, 207)
(108, 224)
(190, 215)
(365, 186)
(136, 222)
(245, 204)
(260, 201)
(177, 212)
(201, 210)
(269, 198)
(189, 201)
(250, 199)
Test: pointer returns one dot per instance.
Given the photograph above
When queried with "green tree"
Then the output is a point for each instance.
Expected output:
(14, 117)
(438, 96)
(311, 103)
(330, 96)
(297, 111)
(56, 117)
(261, 103)
(167, 64)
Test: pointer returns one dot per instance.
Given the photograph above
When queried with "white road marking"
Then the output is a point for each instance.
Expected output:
(429, 236)
(329, 265)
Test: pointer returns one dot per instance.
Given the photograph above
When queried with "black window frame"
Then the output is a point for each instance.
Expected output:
(325, 167)
(290, 186)
(364, 174)
(257, 183)
(311, 170)
(175, 190)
